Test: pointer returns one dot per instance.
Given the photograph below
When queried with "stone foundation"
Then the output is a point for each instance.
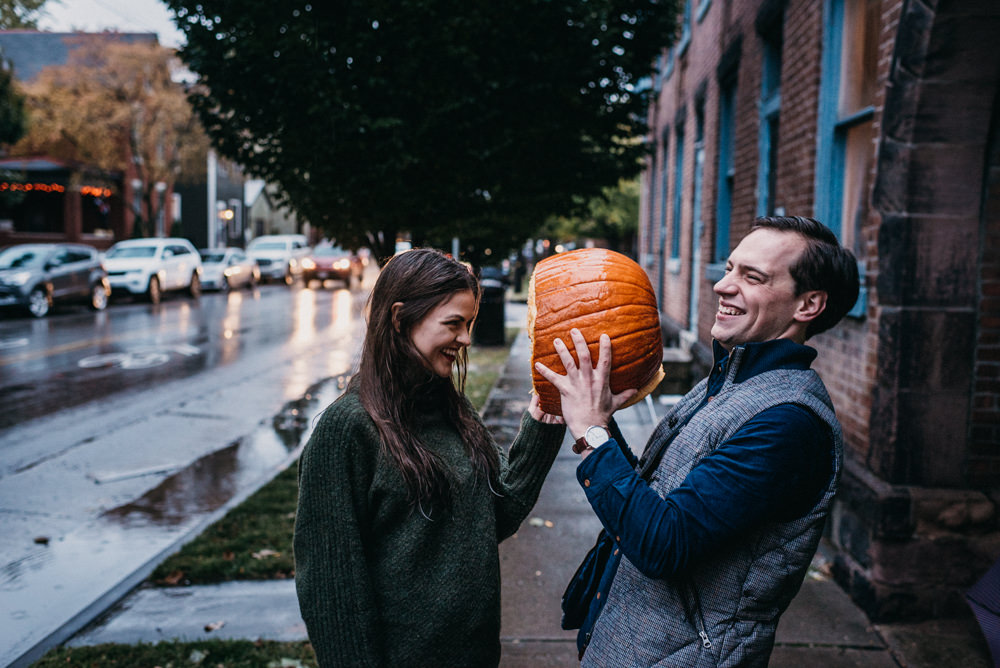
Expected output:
(907, 552)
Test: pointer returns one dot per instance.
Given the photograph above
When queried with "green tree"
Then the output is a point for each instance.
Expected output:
(20, 14)
(613, 218)
(435, 117)
(13, 118)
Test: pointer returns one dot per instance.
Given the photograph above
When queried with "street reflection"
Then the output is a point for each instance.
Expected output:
(231, 327)
(304, 317)
(216, 478)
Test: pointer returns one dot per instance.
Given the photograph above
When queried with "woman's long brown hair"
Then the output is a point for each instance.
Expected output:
(392, 376)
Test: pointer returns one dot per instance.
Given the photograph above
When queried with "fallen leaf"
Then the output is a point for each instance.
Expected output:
(536, 522)
(174, 578)
(42, 540)
(214, 626)
(263, 554)
(549, 524)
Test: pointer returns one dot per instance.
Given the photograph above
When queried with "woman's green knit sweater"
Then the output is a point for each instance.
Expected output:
(378, 583)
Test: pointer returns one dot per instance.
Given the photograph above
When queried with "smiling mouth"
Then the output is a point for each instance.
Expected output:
(729, 310)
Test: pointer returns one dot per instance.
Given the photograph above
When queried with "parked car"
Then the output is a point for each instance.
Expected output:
(36, 276)
(332, 262)
(279, 256)
(226, 268)
(151, 267)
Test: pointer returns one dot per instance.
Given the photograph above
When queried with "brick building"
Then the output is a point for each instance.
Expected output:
(880, 118)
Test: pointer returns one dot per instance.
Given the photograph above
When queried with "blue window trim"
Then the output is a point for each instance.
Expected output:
(831, 135)
(664, 200)
(724, 194)
(770, 108)
(675, 227)
(703, 6)
(685, 29)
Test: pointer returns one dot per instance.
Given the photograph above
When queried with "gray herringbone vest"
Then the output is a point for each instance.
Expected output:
(736, 596)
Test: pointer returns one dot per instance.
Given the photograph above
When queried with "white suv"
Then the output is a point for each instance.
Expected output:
(152, 266)
(279, 256)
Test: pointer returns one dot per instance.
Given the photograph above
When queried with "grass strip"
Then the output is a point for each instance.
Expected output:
(201, 653)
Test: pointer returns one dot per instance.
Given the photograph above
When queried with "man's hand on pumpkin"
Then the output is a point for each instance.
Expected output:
(585, 390)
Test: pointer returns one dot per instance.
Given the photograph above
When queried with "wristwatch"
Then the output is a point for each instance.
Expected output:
(595, 436)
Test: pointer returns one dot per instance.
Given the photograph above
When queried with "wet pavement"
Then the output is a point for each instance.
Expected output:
(93, 498)
(823, 627)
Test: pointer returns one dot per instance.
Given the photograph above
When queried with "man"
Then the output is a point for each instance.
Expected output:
(714, 533)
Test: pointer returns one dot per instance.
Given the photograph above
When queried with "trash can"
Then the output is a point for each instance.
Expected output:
(490, 322)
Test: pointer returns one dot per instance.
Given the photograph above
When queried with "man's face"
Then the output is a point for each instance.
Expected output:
(757, 300)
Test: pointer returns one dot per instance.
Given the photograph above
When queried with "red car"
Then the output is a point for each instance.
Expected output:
(332, 262)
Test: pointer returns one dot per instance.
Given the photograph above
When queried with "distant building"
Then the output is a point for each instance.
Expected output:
(881, 118)
(267, 217)
(44, 199)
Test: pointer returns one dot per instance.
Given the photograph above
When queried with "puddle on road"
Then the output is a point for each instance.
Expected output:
(215, 479)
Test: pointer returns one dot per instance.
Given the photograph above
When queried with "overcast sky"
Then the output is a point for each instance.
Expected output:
(120, 15)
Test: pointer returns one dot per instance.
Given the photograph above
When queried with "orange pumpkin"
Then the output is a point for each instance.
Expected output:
(597, 291)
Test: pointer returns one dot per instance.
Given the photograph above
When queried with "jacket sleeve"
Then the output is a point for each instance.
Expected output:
(771, 469)
(523, 471)
(331, 577)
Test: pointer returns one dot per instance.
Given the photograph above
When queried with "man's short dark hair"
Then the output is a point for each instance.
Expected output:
(824, 265)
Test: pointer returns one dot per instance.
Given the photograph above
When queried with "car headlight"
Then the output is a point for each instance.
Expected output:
(19, 278)
(341, 264)
(308, 264)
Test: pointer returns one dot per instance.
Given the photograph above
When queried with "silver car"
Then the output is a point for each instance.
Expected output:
(36, 276)
(226, 268)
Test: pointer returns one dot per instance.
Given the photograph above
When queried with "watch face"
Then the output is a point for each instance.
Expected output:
(596, 436)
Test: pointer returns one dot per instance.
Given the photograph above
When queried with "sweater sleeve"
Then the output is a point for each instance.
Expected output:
(331, 576)
(523, 471)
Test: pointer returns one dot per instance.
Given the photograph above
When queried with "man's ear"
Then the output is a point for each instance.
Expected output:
(395, 315)
(811, 304)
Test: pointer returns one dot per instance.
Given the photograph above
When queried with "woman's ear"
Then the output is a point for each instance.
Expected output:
(811, 304)
(395, 315)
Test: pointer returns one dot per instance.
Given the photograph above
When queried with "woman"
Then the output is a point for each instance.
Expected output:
(404, 496)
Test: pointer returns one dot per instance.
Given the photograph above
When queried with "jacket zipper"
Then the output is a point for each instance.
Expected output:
(705, 641)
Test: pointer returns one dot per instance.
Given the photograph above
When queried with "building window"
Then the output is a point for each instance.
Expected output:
(696, 218)
(770, 118)
(725, 175)
(663, 202)
(675, 228)
(847, 109)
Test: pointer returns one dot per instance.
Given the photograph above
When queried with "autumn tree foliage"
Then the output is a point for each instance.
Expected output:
(20, 14)
(437, 117)
(113, 104)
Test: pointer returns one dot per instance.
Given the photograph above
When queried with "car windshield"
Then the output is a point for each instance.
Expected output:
(212, 257)
(131, 251)
(269, 245)
(329, 251)
(19, 257)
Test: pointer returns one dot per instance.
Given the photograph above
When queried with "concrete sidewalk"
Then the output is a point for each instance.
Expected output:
(822, 628)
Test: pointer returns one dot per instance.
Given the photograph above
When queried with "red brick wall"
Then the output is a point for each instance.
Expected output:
(847, 358)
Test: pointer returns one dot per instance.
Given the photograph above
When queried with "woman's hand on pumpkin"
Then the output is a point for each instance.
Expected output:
(535, 410)
(585, 390)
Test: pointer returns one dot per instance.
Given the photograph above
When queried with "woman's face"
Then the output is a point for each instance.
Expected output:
(445, 331)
